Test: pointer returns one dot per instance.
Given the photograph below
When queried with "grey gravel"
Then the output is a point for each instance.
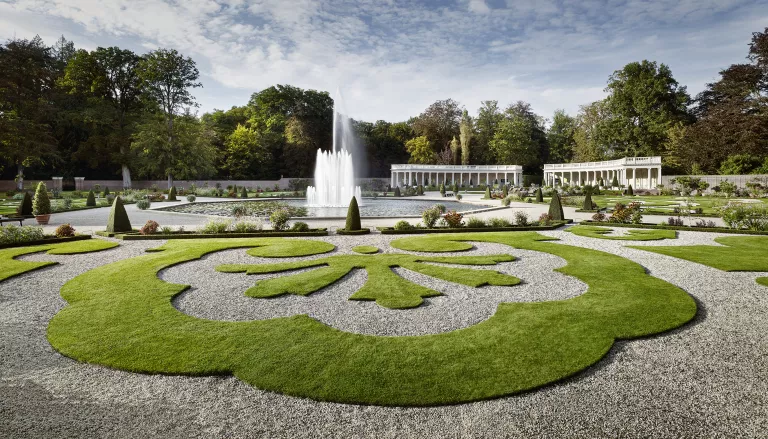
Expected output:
(708, 379)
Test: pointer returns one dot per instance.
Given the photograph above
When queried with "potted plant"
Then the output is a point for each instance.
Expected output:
(41, 205)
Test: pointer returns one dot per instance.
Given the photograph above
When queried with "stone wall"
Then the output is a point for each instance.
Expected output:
(715, 180)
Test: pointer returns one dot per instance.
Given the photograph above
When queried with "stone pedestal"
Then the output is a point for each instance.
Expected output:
(58, 183)
(79, 185)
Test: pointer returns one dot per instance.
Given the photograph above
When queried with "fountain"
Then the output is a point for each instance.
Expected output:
(334, 170)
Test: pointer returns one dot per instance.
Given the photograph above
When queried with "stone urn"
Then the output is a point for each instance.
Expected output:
(43, 219)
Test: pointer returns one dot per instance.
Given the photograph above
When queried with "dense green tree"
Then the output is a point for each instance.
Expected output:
(244, 154)
(384, 144)
(166, 78)
(739, 164)
(109, 79)
(644, 101)
(420, 150)
(489, 116)
(27, 80)
(455, 148)
(589, 144)
(465, 137)
(520, 138)
(561, 137)
(439, 123)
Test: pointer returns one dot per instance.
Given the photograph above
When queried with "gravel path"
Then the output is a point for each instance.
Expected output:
(708, 379)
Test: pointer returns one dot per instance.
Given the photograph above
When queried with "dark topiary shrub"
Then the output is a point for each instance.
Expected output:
(487, 193)
(420, 190)
(556, 208)
(587, 199)
(91, 200)
(442, 189)
(300, 226)
(172, 194)
(504, 191)
(455, 188)
(106, 192)
(41, 204)
(397, 191)
(403, 225)
(244, 193)
(539, 196)
(118, 221)
(615, 182)
(630, 192)
(25, 208)
(353, 216)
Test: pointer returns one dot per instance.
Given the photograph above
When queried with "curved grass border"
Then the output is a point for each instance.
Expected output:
(365, 249)
(120, 315)
(678, 228)
(10, 267)
(740, 253)
(632, 235)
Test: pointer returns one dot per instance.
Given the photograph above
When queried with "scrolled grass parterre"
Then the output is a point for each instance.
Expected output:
(120, 315)
(365, 249)
(738, 253)
(632, 235)
(383, 285)
(10, 267)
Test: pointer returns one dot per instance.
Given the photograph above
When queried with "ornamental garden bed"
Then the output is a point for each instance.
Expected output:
(136, 236)
(424, 230)
(353, 232)
(668, 227)
(50, 239)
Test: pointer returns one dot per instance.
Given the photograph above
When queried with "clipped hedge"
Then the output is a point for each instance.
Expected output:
(48, 240)
(135, 236)
(353, 232)
(420, 231)
(668, 227)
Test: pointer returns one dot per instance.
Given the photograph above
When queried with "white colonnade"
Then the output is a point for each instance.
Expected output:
(640, 172)
(462, 175)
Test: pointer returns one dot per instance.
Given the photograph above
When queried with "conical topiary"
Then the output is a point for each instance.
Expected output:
(397, 191)
(353, 216)
(487, 192)
(172, 194)
(615, 182)
(539, 196)
(442, 189)
(419, 190)
(556, 208)
(106, 192)
(244, 193)
(587, 199)
(630, 192)
(118, 221)
(455, 188)
(41, 204)
(504, 191)
(91, 200)
(25, 208)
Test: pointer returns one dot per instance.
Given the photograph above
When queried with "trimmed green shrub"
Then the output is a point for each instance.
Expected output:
(172, 194)
(118, 221)
(397, 191)
(25, 208)
(143, 204)
(353, 216)
(248, 226)
(442, 189)
(91, 200)
(587, 199)
(106, 191)
(244, 193)
(615, 182)
(475, 223)
(214, 227)
(279, 219)
(191, 198)
(41, 204)
(487, 193)
(539, 196)
(65, 231)
(403, 225)
(300, 226)
(556, 208)
(630, 191)
(498, 222)
(504, 191)
(455, 188)
(430, 216)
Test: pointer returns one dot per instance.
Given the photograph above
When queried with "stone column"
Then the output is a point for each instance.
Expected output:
(79, 183)
(57, 183)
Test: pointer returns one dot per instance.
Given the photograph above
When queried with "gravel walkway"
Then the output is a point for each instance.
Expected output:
(708, 379)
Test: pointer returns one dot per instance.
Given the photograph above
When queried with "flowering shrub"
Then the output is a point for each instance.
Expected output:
(430, 216)
(599, 216)
(11, 234)
(149, 228)
(630, 214)
(65, 230)
(521, 218)
(545, 219)
(155, 197)
(453, 219)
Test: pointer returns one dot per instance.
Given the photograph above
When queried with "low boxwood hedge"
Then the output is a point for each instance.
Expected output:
(362, 231)
(194, 235)
(423, 230)
(668, 227)
(50, 239)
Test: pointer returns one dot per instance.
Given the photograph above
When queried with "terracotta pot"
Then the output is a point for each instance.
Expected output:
(43, 219)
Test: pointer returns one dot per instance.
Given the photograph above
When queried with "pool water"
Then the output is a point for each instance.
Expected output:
(387, 207)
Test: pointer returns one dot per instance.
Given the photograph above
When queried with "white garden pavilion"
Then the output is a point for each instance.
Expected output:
(640, 172)
(469, 175)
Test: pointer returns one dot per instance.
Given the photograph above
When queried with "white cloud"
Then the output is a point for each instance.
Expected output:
(393, 58)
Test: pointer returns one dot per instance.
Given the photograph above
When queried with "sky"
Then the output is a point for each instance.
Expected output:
(393, 58)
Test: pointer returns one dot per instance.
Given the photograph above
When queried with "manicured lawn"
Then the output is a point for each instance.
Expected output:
(365, 249)
(632, 234)
(120, 315)
(383, 285)
(10, 267)
(742, 253)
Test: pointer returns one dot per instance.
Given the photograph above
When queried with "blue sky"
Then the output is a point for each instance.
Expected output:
(393, 58)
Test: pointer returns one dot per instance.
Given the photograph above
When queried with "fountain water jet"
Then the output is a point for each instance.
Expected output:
(334, 170)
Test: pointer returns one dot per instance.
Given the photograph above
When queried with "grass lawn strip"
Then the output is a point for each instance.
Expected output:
(383, 285)
(120, 315)
(632, 235)
(741, 253)
(365, 249)
(10, 267)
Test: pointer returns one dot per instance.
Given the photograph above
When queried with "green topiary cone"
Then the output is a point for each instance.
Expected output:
(106, 192)
(587, 199)
(539, 196)
(556, 208)
(397, 191)
(41, 204)
(118, 221)
(25, 208)
(91, 200)
(487, 192)
(244, 193)
(172, 194)
(615, 182)
(504, 191)
(442, 189)
(630, 191)
(353, 216)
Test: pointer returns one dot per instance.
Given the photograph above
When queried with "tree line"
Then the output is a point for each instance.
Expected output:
(110, 112)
